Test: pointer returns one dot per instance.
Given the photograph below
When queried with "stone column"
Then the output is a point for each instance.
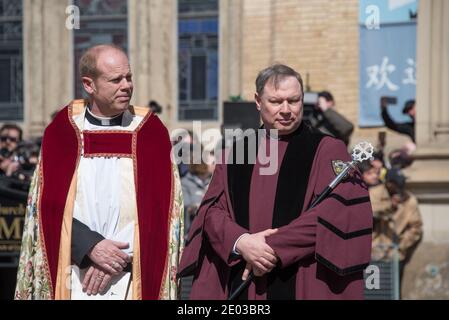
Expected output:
(432, 127)
(428, 177)
(230, 75)
(48, 62)
(258, 24)
(153, 53)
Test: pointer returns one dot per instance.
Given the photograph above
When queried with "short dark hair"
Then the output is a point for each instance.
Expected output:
(276, 72)
(408, 106)
(155, 107)
(326, 95)
(395, 181)
(400, 159)
(12, 126)
(365, 165)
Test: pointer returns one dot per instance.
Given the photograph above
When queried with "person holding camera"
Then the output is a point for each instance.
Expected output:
(329, 121)
(10, 137)
(407, 128)
(26, 159)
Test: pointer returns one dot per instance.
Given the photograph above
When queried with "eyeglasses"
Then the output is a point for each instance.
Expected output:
(11, 139)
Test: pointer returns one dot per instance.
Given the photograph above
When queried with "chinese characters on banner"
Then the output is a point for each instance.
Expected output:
(378, 75)
(387, 61)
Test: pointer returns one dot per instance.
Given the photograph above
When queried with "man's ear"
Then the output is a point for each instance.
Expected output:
(89, 85)
(258, 101)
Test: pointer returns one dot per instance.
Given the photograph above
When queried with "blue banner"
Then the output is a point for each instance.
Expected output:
(387, 58)
(388, 11)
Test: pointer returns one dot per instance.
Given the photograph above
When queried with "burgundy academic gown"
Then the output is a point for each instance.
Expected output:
(330, 244)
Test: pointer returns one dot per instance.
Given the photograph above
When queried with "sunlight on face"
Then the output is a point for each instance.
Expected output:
(114, 86)
(281, 108)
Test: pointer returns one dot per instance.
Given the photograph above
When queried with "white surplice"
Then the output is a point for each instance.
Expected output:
(106, 202)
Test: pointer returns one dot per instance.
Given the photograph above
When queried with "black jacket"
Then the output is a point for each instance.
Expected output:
(407, 128)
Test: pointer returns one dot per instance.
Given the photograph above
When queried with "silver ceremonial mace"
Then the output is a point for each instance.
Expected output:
(361, 152)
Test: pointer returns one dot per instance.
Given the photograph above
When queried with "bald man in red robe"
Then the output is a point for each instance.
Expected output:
(251, 221)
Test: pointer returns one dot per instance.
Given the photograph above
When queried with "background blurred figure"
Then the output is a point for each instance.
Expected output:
(184, 142)
(10, 137)
(397, 220)
(402, 158)
(26, 159)
(194, 186)
(379, 164)
(407, 128)
(329, 121)
(155, 107)
(370, 173)
(407, 218)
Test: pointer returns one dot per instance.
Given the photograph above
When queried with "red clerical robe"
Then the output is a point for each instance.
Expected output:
(44, 268)
(322, 252)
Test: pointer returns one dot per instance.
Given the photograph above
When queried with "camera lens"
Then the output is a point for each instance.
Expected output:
(5, 153)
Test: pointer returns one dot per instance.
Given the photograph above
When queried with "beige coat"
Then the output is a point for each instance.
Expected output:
(400, 226)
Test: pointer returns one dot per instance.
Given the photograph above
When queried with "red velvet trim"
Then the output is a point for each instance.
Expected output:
(59, 161)
(105, 143)
(60, 152)
(154, 187)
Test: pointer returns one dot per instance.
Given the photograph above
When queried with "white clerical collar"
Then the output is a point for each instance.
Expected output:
(103, 121)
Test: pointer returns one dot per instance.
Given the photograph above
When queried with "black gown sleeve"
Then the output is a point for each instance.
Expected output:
(404, 128)
(83, 239)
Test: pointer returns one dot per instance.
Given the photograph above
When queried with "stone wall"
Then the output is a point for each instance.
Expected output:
(427, 275)
(48, 62)
(153, 53)
(318, 38)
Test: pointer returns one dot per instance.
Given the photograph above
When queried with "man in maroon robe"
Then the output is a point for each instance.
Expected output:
(252, 221)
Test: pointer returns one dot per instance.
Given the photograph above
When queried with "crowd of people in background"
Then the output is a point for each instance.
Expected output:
(397, 222)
